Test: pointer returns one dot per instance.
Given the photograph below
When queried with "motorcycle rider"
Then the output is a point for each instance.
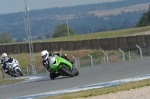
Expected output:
(45, 56)
(6, 59)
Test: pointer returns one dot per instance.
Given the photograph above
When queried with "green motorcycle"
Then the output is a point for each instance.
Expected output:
(63, 66)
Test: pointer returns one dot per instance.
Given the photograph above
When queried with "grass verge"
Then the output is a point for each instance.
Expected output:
(95, 35)
(10, 81)
(104, 34)
(100, 91)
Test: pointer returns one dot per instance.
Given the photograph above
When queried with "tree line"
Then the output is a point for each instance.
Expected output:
(145, 19)
(45, 24)
(5, 38)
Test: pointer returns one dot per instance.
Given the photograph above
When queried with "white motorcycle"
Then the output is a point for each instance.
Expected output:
(14, 69)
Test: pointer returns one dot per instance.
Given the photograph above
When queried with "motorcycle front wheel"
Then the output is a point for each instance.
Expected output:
(76, 72)
(19, 72)
(66, 71)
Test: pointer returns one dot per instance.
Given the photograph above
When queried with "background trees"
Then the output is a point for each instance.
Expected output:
(5, 38)
(145, 19)
(62, 30)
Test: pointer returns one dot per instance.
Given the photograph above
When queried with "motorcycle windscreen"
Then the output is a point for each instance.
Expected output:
(60, 60)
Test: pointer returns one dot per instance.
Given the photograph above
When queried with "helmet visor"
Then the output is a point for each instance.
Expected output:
(5, 58)
(44, 57)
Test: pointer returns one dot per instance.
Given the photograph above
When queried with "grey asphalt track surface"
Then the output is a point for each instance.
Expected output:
(88, 75)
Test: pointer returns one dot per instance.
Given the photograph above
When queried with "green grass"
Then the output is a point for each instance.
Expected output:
(100, 91)
(10, 81)
(112, 33)
(105, 34)
(98, 56)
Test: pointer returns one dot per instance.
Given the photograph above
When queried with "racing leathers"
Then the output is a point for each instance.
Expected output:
(4, 64)
(53, 74)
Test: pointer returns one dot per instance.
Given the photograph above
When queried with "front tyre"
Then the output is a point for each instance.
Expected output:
(66, 71)
(75, 71)
(19, 72)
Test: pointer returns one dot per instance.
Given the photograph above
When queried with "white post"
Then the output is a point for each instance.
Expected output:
(79, 62)
(0, 74)
(102, 61)
(129, 55)
(67, 27)
(122, 54)
(91, 59)
(140, 51)
(75, 61)
(33, 70)
(106, 57)
(27, 71)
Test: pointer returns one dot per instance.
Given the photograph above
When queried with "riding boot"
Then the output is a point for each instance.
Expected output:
(48, 68)
(54, 75)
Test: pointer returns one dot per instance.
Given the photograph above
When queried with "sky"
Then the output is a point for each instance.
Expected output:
(14, 6)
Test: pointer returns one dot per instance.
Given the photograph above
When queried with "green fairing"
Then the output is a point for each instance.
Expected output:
(58, 63)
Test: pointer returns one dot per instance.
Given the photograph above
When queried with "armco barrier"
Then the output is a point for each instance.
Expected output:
(122, 43)
(95, 44)
(70, 45)
(105, 44)
(125, 43)
(147, 40)
(2, 48)
(24, 47)
(113, 43)
(78, 45)
(131, 42)
(140, 40)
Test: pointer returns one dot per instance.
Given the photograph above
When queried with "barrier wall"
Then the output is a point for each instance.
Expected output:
(125, 43)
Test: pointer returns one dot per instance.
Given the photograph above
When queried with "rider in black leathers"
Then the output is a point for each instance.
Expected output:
(45, 55)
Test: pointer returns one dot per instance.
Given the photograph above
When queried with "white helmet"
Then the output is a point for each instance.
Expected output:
(44, 54)
(52, 60)
(5, 56)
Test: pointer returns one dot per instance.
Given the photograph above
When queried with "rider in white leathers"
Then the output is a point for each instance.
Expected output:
(5, 60)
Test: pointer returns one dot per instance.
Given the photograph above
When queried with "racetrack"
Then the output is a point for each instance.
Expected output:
(88, 75)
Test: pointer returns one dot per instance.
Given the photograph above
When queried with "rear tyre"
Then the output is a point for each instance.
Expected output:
(66, 71)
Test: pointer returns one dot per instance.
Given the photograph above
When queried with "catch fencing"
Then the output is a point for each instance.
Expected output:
(100, 58)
